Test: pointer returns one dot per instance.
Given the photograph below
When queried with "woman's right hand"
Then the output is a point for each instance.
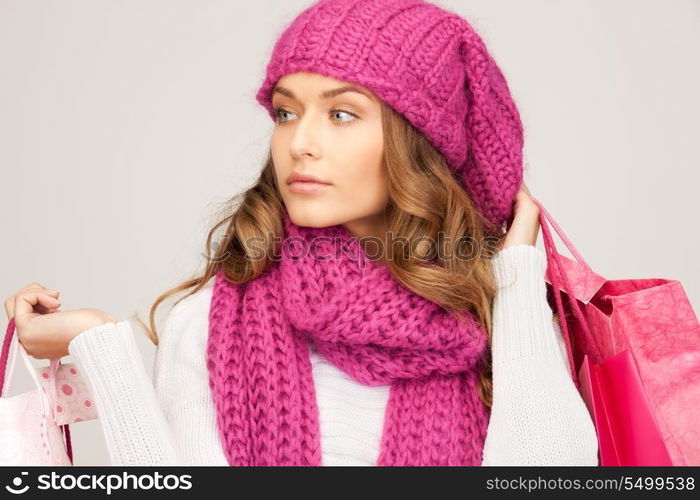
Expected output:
(42, 329)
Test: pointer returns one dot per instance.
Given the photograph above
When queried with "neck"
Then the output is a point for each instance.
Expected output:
(372, 233)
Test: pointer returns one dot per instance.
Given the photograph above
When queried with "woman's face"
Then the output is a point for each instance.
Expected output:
(336, 138)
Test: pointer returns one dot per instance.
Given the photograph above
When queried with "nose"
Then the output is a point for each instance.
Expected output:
(305, 138)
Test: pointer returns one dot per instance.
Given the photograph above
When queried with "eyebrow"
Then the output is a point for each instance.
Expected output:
(327, 94)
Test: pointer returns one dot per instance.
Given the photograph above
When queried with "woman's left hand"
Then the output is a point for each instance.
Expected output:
(524, 225)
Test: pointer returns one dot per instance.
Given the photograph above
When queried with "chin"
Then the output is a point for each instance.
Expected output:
(310, 215)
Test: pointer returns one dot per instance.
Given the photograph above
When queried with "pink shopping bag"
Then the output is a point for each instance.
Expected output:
(34, 425)
(636, 343)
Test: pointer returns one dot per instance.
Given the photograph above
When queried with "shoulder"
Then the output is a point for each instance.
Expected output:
(190, 314)
(195, 304)
(180, 361)
(520, 262)
(519, 253)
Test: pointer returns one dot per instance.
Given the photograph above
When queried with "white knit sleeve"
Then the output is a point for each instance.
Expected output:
(538, 416)
(135, 429)
(158, 420)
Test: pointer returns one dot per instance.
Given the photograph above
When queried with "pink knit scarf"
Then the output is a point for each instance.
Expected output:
(325, 289)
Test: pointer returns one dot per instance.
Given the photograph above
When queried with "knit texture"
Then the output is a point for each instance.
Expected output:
(538, 416)
(431, 67)
(324, 288)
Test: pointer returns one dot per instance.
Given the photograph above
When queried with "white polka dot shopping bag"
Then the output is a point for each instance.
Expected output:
(34, 424)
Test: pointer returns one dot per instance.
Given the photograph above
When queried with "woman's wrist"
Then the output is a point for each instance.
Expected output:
(94, 319)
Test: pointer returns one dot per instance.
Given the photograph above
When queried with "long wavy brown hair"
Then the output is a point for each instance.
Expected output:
(427, 204)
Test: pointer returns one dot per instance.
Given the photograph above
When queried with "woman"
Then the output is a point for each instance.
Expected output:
(299, 345)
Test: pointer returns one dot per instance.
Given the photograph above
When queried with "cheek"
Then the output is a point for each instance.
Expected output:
(364, 179)
(280, 157)
(276, 147)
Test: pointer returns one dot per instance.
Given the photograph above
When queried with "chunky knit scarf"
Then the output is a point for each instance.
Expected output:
(325, 289)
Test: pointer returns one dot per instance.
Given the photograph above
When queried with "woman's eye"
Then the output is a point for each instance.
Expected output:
(279, 113)
(340, 111)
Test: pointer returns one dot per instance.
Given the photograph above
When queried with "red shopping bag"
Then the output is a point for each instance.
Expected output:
(636, 343)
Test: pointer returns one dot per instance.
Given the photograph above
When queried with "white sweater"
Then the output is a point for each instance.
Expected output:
(537, 417)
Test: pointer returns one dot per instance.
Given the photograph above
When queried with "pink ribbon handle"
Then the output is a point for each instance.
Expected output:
(5, 353)
(556, 270)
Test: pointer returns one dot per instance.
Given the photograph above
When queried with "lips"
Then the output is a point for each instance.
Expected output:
(305, 183)
(298, 177)
(303, 187)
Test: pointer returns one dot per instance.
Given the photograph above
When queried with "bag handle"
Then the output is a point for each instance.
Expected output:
(6, 374)
(9, 370)
(544, 214)
(3, 356)
(554, 261)
(53, 367)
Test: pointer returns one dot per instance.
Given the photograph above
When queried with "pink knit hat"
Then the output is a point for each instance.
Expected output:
(431, 67)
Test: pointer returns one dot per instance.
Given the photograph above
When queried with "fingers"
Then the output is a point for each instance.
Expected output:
(27, 301)
(38, 286)
(523, 193)
(43, 309)
(43, 306)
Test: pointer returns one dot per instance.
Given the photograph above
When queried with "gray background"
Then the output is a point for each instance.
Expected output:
(124, 126)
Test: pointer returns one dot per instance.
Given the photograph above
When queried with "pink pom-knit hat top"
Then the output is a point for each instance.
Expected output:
(431, 67)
